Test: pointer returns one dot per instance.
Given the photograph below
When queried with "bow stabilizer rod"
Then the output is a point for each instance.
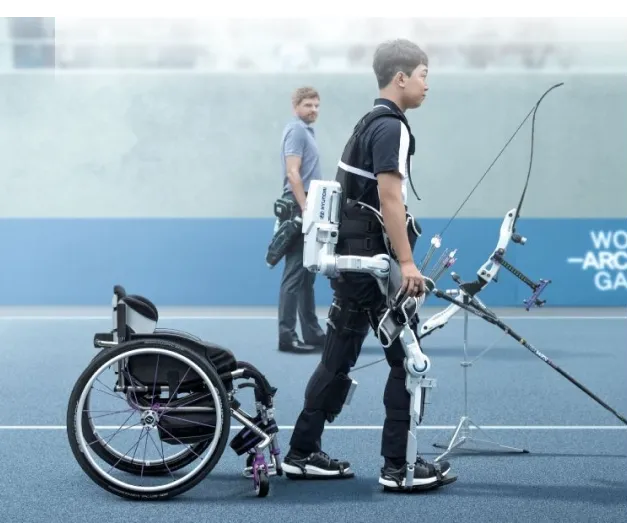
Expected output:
(481, 311)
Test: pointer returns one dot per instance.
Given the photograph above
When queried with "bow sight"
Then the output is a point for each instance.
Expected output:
(537, 289)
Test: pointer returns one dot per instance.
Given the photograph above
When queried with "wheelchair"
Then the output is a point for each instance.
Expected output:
(178, 394)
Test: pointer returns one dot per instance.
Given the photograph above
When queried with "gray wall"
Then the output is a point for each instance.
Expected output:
(206, 145)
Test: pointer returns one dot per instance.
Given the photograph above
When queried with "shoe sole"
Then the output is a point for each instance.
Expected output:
(422, 488)
(420, 484)
(301, 349)
(311, 472)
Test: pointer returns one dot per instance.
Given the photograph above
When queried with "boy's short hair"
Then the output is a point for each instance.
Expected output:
(396, 55)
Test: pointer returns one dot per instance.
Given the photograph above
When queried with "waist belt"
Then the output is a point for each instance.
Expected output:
(357, 222)
(362, 245)
(360, 232)
(358, 228)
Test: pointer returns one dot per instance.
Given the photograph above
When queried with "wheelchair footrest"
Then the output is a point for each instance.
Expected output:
(246, 439)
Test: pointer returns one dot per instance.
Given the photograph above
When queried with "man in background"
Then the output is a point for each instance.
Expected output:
(300, 165)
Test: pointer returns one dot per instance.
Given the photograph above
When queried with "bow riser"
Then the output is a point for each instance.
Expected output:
(486, 273)
(491, 267)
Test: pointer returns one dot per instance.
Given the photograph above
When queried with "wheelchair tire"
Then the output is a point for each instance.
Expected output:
(77, 425)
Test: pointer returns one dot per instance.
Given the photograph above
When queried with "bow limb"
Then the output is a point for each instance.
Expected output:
(534, 116)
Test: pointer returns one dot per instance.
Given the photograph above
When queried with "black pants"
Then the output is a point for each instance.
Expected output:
(297, 294)
(358, 302)
(297, 298)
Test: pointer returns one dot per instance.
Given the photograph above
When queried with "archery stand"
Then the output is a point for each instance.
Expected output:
(463, 434)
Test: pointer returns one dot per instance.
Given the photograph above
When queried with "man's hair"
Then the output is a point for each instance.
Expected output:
(301, 93)
(396, 55)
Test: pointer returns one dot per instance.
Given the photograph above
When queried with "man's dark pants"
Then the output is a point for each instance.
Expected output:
(360, 302)
(297, 298)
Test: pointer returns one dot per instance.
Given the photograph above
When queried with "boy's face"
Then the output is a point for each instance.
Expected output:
(415, 87)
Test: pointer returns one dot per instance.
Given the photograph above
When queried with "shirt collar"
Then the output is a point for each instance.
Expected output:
(390, 104)
(299, 120)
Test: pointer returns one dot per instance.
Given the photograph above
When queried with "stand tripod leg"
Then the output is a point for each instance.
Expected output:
(462, 433)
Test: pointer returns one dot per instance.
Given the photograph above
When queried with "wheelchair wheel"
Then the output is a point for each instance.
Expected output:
(176, 414)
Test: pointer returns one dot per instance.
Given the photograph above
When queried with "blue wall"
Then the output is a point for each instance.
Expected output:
(146, 180)
(196, 261)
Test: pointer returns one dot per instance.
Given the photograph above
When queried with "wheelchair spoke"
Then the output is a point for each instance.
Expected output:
(154, 382)
(163, 457)
(137, 447)
(119, 460)
(163, 411)
(145, 448)
(109, 413)
(120, 429)
(182, 443)
(107, 393)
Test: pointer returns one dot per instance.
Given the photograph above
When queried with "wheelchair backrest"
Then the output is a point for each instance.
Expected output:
(138, 313)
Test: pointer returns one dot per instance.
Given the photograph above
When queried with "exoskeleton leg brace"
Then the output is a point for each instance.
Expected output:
(397, 322)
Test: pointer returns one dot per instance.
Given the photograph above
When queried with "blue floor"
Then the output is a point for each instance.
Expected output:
(575, 470)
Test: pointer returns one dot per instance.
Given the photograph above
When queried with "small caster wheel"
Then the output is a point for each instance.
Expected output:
(261, 484)
(279, 471)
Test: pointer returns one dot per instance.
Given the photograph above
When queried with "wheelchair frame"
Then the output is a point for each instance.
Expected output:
(134, 335)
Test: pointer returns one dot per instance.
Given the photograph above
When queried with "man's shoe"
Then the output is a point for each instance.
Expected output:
(427, 476)
(295, 346)
(316, 465)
